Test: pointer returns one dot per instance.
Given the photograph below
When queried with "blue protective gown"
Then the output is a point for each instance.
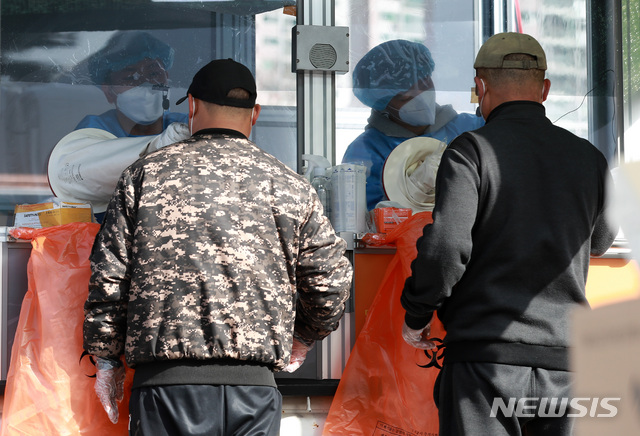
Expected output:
(382, 135)
(109, 121)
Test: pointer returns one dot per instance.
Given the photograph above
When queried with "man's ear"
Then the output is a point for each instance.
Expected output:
(545, 89)
(193, 107)
(256, 114)
(479, 87)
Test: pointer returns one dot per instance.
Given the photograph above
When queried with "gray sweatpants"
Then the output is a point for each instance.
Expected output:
(477, 398)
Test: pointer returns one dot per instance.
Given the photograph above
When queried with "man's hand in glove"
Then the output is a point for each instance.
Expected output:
(418, 338)
(298, 354)
(110, 385)
(175, 132)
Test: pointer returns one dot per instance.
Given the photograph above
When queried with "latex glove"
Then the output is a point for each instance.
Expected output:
(298, 354)
(175, 132)
(420, 181)
(418, 338)
(110, 385)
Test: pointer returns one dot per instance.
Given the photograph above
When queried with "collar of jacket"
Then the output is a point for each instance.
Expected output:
(218, 131)
(518, 109)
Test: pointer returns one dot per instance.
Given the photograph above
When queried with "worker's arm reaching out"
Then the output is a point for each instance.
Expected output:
(86, 164)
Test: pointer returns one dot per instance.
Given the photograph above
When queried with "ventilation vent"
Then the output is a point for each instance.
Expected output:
(323, 56)
(320, 48)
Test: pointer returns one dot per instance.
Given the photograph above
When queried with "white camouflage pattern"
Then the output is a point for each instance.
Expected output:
(212, 248)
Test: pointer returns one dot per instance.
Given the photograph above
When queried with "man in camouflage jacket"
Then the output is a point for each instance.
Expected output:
(213, 260)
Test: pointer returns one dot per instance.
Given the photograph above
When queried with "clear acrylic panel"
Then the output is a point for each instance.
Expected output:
(46, 88)
(49, 84)
(453, 31)
(448, 29)
(631, 77)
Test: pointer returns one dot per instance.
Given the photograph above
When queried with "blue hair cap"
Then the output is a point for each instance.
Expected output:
(127, 48)
(389, 69)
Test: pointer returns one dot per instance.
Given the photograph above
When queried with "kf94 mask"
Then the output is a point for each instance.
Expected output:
(141, 104)
(420, 110)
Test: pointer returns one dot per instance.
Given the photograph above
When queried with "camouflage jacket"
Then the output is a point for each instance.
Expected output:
(212, 248)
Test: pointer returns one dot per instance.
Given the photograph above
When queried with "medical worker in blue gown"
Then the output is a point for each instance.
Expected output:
(131, 70)
(394, 80)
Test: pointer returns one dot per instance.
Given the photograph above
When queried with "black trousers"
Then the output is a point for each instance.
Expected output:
(205, 410)
(468, 391)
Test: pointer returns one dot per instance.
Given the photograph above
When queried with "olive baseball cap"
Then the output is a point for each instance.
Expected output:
(214, 81)
(494, 50)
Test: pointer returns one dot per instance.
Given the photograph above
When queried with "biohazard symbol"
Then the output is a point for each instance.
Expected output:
(434, 357)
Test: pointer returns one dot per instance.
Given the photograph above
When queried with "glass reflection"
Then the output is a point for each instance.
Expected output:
(453, 31)
(48, 89)
(412, 70)
(395, 80)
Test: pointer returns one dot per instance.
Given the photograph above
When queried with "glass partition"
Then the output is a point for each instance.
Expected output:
(46, 88)
(561, 29)
(398, 45)
(452, 32)
(58, 73)
(448, 29)
(631, 77)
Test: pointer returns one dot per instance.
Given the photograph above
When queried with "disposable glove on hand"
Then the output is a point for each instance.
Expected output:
(110, 385)
(418, 338)
(298, 354)
(175, 132)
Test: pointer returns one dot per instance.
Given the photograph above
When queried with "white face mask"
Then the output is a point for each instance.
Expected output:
(141, 104)
(484, 91)
(191, 119)
(420, 110)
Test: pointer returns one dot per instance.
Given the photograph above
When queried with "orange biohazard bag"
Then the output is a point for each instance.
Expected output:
(49, 388)
(386, 388)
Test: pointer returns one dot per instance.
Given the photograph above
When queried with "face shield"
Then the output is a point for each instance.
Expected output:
(132, 69)
(123, 53)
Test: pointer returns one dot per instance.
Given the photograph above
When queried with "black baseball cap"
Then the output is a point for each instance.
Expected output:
(214, 81)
